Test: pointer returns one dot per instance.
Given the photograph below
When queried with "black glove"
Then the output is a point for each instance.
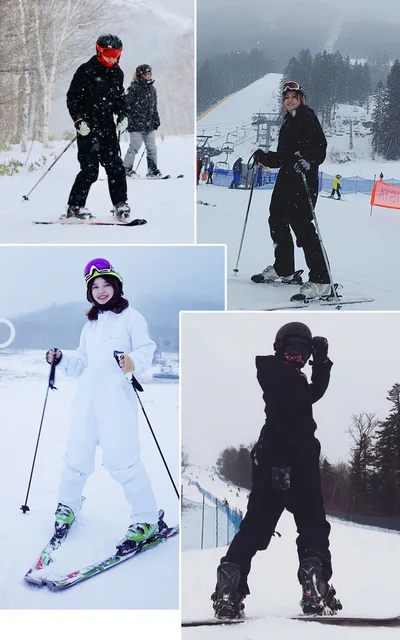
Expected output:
(301, 165)
(260, 157)
(319, 349)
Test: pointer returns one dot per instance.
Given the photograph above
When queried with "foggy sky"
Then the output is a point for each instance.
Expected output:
(226, 24)
(222, 401)
(36, 277)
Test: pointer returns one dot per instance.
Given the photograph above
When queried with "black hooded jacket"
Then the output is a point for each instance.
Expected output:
(96, 93)
(141, 100)
(289, 397)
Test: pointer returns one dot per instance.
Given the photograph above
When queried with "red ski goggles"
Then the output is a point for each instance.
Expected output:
(99, 267)
(109, 52)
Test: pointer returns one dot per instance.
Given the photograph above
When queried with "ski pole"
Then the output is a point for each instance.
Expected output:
(50, 167)
(50, 385)
(138, 387)
(328, 268)
(137, 166)
(236, 270)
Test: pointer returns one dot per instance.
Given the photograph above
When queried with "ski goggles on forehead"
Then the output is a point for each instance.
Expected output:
(99, 267)
(291, 86)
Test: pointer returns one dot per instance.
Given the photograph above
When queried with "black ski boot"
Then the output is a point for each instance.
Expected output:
(318, 595)
(227, 601)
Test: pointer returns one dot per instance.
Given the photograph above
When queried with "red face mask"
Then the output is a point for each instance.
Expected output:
(108, 56)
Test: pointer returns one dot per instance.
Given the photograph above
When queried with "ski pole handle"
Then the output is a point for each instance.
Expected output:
(135, 384)
(53, 370)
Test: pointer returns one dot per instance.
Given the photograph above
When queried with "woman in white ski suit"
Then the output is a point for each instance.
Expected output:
(105, 410)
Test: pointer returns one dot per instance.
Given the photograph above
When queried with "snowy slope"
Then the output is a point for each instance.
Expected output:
(104, 517)
(362, 249)
(275, 592)
(166, 205)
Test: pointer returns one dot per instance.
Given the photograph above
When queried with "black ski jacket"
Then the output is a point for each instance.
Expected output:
(96, 93)
(141, 101)
(302, 133)
(289, 397)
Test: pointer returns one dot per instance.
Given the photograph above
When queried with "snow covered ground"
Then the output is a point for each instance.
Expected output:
(362, 249)
(168, 206)
(150, 581)
(360, 559)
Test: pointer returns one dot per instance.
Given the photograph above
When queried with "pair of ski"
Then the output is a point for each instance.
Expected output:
(342, 621)
(78, 221)
(167, 177)
(34, 575)
(299, 301)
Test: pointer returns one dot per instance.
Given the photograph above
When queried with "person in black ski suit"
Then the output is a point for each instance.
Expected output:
(285, 474)
(143, 120)
(96, 93)
(301, 149)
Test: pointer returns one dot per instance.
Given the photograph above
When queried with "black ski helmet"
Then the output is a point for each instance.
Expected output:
(107, 40)
(292, 330)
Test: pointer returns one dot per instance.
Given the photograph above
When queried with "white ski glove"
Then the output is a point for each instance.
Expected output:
(82, 127)
(122, 125)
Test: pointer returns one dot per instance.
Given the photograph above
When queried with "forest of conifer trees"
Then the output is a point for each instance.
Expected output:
(368, 484)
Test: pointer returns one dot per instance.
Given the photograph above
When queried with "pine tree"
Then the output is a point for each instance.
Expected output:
(379, 139)
(391, 121)
(387, 458)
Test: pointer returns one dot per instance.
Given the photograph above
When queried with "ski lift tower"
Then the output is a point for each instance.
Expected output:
(202, 145)
(263, 122)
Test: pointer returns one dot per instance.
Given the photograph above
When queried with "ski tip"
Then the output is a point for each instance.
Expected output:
(136, 222)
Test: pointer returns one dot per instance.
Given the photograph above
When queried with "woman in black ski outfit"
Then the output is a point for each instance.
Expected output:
(95, 95)
(285, 474)
(301, 149)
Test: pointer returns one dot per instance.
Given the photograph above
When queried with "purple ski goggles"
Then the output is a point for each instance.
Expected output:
(99, 267)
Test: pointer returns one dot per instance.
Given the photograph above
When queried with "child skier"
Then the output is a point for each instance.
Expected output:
(336, 187)
(285, 474)
(105, 409)
(301, 149)
(95, 95)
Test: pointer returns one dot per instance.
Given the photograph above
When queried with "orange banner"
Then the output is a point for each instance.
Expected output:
(385, 195)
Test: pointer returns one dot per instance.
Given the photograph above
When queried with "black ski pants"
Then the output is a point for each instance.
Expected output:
(283, 479)
(99, 147)
(210, 178)
(290, 209)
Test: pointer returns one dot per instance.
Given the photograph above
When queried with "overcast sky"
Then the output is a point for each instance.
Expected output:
(36, 277)
(228, 24)
(222, 401)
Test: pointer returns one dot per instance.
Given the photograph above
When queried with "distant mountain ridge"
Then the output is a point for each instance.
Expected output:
(61, 325)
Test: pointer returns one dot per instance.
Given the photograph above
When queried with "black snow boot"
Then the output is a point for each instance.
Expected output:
(227, 601)
(318, 595)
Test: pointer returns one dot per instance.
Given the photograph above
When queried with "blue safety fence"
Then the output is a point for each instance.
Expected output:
(215, 521)
(266, 180)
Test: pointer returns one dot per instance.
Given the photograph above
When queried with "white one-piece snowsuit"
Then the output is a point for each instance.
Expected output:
(105, 411)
